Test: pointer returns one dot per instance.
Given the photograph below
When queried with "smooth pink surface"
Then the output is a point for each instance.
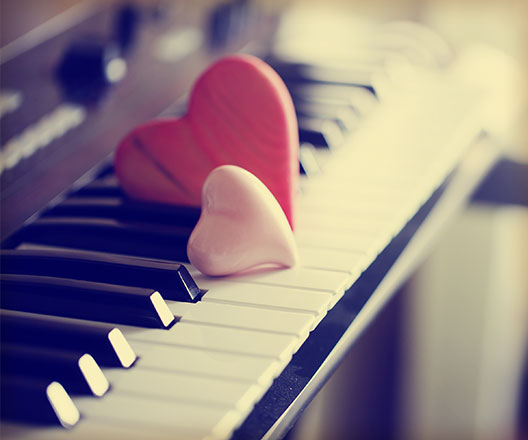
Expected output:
(241, 226)
(240, 113)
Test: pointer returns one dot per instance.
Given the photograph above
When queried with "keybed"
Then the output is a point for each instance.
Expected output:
(186, 355)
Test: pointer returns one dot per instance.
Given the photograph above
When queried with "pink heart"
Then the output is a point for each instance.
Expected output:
(241, 226)
(240, 113)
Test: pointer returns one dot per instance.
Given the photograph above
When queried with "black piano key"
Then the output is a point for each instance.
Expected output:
(84, 300)
(226, 22)
(108, 235)
(172, 280)
(341, 114)
(36, 401)
(78, 374)
(104, 342)
(106, 186)
(308, 163)
(302, 73)
(121, 208)
(359, 100)
(320, 133)
(105, 170)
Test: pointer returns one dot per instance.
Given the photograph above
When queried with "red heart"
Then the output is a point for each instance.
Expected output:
(240, 113)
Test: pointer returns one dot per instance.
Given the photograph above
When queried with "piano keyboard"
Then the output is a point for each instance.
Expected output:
(190, 356)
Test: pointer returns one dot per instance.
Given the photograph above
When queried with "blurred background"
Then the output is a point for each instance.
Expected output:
(446, 359)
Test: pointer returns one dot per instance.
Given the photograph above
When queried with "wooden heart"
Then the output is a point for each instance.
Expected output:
(240, 113)
(241, 226)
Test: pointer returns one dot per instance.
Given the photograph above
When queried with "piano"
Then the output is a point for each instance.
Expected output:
(107, 329)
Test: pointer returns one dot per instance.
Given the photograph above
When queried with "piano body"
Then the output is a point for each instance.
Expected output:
(392, 144)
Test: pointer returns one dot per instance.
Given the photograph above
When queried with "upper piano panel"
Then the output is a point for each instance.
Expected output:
(72, 88)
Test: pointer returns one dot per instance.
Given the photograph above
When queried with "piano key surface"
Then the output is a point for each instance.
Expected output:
(245, 316)
(79, 374)
(105, 342)
(219, 338)
(171, 280)
(278, 298)
(84, 300)
(246, 368)
(36, 400)
(186, 387)
(238, 335)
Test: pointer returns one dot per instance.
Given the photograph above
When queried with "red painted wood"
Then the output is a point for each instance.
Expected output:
(240, 113)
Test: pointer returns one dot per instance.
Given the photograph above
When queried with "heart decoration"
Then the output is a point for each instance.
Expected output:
(241, 226)
(239, 113)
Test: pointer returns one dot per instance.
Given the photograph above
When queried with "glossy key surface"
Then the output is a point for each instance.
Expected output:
(78, 374)
(105, 342)
(172, 280)
(36, 401)
(109, 235)
(85, 300)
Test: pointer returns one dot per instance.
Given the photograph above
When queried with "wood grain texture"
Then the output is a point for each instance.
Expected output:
(240, 113)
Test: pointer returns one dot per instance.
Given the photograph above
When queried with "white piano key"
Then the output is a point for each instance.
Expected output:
(351, 222)
(179, 309)
(370, 213)
(257, 369)
(378, 208)
(84, 430)
(182, 387)
(223, 339)
(307, 206)
(246, 317)
(162, 416)
(276, 297)
(338, 178)
(333, 259)
(367, 191)
(369, 245)
(299, 277)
